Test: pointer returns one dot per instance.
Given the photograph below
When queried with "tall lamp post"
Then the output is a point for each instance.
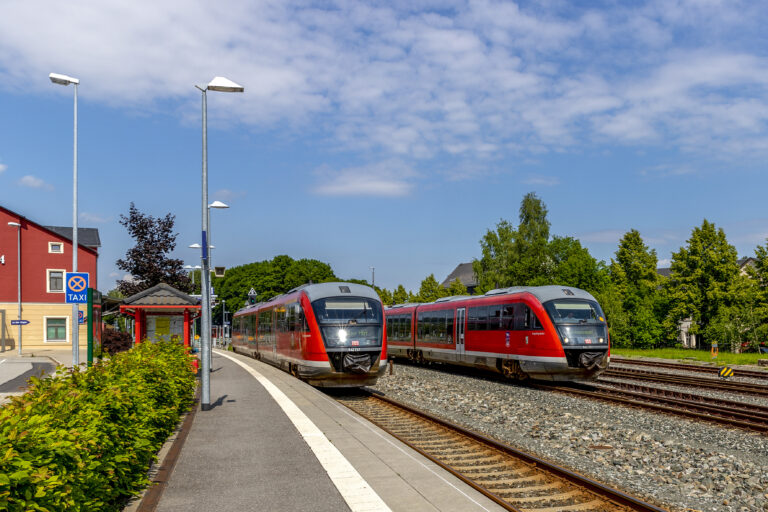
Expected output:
(373, 275)
(18, 281)
(219, 84)
(192, 269)
(66, 80)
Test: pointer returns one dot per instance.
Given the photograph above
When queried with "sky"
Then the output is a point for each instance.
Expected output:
(388, 134)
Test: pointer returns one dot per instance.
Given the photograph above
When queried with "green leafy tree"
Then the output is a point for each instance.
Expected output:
(456, 288)
(431, 290)
(385, 296)
(494, 269)
(532, 241)
(634, 277)
(147, 262)
(571, 264)
(399, 295)
(742, 319)
(702, 280)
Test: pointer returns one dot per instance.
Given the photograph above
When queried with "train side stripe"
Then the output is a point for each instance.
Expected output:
(353, 488)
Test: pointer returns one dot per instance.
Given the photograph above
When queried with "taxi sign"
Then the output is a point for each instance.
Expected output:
(76, 287)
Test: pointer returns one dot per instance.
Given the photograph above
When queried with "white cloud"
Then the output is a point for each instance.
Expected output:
(226, 194)
(3, 167)
(33, 182)
(476, 78)
(385, 179)
(93, 217)
(544, 181)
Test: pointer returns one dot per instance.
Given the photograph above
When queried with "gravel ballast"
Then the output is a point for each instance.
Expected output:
(678, 464)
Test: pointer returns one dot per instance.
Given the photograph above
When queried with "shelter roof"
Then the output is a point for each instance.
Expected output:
(161, 295)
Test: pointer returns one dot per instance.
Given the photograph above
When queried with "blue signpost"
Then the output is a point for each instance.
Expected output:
(19, 322)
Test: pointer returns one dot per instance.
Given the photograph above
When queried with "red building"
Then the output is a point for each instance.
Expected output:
(46, 255)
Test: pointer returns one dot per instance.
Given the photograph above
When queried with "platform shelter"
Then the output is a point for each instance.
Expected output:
(162, 312)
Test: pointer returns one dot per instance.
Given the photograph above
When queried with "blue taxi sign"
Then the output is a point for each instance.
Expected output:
(76, 289)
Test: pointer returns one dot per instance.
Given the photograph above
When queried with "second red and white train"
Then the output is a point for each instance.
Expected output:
(546, 332)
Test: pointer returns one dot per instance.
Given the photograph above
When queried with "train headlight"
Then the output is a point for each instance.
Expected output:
(601, 340)
(342, 336)
(566, 340)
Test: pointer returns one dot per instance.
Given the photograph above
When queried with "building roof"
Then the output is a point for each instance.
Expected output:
(463, 273)
(160, 295)
(89, 237)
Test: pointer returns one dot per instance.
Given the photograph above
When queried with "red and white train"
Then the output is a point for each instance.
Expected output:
(328, 334)
(543, 332)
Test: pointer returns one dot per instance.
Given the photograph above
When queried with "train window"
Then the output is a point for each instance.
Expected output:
(508, 317)
(449, 327)
(494, 317)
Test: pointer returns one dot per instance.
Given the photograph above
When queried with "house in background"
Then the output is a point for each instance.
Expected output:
(465, 274)
(46, 256)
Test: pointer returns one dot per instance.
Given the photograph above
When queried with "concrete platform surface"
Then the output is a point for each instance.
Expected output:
(271, 442)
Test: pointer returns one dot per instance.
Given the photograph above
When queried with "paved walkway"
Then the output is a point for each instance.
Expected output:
(270, 442)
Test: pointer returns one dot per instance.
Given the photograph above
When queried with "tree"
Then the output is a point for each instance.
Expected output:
(456, 288)
(527, 257)
(635, 280)
(147, 262)
(532, 241)
(268, 278)
(701, 276)
(399, 295)
(385, 296)
(431, 290)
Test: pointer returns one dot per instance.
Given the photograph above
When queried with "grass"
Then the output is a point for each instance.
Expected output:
(682, 353)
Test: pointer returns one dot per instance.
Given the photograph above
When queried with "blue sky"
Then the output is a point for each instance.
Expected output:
(389, 134)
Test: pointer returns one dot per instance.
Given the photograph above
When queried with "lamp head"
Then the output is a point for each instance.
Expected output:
(63, 79)
(218, 204)
(14, 224)
(222, 84)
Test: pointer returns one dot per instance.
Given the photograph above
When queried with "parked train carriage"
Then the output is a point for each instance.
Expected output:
(329, 334)
(545, 332)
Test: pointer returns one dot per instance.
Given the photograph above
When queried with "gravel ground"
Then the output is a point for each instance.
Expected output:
(674, 463)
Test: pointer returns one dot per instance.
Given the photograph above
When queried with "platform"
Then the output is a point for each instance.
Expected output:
(270, 442)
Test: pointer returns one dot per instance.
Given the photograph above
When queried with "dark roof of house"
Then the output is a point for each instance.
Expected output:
(160, 295)
(89, 237)
(666, 272)
(463, 273)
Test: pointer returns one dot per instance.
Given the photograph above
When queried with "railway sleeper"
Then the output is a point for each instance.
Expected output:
(551, 498)
(576, 507)
(512, 483)
(547, 487)
(479, 462)
(500, 467)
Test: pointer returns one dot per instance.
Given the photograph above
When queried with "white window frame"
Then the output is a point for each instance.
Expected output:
(50, 247)
(66, 329)
(48, 279)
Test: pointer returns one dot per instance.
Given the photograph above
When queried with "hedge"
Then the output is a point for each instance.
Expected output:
(84, 440)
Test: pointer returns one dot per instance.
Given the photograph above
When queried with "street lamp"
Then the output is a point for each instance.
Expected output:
(66, 80)
(18, 280)
(215, 204)
(219, 84)
(373, 275)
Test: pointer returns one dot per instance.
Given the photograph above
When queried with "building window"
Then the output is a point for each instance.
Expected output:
(55, 281)
(56, 329)
(55, 247)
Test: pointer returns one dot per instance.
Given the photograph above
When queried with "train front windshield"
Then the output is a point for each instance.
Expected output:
(579, 323)
(349, 322)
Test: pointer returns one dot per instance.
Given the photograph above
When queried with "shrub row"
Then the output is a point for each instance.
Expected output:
(84, 440)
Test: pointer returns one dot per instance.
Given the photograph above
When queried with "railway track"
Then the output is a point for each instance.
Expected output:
(701, 382)
(515, 480)
(723, 412)
(691, 367)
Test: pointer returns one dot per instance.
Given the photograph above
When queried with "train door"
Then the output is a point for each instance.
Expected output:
(459, 334)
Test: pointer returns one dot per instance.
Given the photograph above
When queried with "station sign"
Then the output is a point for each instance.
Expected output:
(19, 322)
(76, 289)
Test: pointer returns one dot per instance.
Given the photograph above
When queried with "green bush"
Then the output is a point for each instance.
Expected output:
(84, 440)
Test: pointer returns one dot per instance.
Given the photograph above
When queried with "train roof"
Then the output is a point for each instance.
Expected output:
(321, 291)
(545, 293)
(542, 293)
